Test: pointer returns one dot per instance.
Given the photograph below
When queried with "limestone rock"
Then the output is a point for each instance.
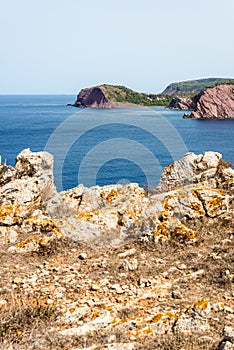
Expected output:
(188, 170)
(193, 187)
(194, 318)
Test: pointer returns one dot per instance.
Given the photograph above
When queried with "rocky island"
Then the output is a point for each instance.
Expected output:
(117, 267)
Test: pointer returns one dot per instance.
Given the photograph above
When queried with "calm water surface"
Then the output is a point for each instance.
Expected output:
(140, 137)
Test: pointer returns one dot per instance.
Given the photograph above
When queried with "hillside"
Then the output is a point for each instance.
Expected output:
(114, 96)
(122, 94)
(194, 86)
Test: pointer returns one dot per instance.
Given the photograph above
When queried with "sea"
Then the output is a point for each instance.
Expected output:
(101, 147)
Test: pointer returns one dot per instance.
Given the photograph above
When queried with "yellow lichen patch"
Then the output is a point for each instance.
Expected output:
(160, 229)
(183, 231)
(147, 331)
(72, 309)
(96, 314)
(131, 214)
(115, 321)
(110, 196)
(109, 307)
(163, 317)
(156, 318)
(201, 304)
(168, 316)
(88, 216)
(45, 225)
(29, 240)
(166, 204)
(214, 203)
(19, 333)
(134, 334)
(167, 169)
(197, 207)
(11, 211)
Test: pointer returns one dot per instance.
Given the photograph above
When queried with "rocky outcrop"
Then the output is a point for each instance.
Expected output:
(117, 267)
(93, 97)
(193, 187)
(214, 103)
(181, 103)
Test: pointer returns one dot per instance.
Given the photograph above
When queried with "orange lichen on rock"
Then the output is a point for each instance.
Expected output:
(88, 216)
(166, 204)
(214, 203)
(197, 207)
(161, 230)
(10, 210)
(201, 304)
(44, 225)
(184, 231)
(148, 331)
(110, 196)
(33, 240)
(167, 169)
(156, 318)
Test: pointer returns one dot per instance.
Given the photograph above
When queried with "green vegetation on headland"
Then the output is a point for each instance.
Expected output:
(109, 96)
(122, 94)
(191, 87)
(185, 89)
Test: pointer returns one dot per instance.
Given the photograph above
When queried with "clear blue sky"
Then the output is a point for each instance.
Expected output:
(61, 46)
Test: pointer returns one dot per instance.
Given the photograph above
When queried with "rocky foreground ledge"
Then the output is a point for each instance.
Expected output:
(117, 267)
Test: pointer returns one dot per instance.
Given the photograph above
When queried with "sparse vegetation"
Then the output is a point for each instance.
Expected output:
(192, 87)
(122, 94)
(28, 322)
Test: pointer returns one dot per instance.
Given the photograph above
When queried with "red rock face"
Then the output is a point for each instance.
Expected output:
(181, 103)
(215, 103)
(92, 97)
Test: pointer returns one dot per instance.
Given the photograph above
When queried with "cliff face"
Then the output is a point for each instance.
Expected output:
(214, 103)
(181, 103)
(114, 266)
(93, 97)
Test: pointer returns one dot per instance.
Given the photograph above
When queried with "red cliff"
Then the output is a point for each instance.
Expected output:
(93, 97)
(214, 103)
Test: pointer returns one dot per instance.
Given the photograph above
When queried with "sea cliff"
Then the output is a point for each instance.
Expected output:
(214, 103)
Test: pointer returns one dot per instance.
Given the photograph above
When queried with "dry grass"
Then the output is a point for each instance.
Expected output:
(28, 322)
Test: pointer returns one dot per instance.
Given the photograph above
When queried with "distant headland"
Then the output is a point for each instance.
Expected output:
(207, 98)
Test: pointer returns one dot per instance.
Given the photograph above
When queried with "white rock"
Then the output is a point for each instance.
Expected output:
(127, 253)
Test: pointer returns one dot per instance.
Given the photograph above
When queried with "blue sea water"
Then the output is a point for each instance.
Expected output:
(105, 146)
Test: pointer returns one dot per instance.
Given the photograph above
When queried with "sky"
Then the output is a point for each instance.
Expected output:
(61, 46)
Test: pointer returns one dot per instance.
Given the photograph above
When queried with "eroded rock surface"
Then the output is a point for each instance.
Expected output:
(214, 103)
(93, 97)
(181, 103)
